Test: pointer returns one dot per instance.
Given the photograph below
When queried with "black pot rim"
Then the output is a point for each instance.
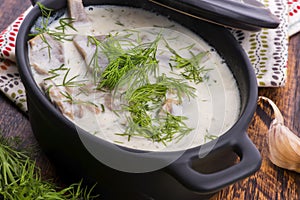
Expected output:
(231, 137)
(30, 84)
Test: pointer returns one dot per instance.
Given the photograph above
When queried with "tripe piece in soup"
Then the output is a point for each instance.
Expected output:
(135, 78)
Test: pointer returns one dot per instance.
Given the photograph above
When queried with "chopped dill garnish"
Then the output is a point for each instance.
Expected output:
(156, 92)
(65, 23)
(132, 74)
(123, 60)
(166, 129)
(68, 96)
(209, 137)
(46, 13)
(192, 69)
(72, 82)
(119, 23)
(70, 99)
(47, 91)
(102, 108)
(58, 33)
(118, 142)
(149, 99)
(94, 63)
(55, 72)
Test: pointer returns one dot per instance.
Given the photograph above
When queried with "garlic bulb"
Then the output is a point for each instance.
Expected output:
(284, 145)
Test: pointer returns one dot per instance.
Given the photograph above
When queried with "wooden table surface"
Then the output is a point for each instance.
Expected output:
(270, 182)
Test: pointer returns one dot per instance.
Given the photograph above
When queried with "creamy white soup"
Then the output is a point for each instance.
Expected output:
(135, 78)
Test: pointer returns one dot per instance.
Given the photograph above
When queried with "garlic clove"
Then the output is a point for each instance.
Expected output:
(284, 145)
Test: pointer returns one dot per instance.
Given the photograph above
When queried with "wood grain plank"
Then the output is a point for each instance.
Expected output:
(272, 182)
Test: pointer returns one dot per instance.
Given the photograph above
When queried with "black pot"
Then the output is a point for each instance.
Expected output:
(185, 176)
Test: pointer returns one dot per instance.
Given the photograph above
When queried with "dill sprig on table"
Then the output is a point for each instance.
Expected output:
(20, 178)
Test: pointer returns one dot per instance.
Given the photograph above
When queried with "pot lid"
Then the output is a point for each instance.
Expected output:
(240, 14)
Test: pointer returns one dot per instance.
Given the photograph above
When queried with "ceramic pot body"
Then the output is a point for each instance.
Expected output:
(187, 175)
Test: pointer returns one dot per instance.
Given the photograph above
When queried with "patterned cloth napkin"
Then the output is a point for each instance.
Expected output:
(267, 50)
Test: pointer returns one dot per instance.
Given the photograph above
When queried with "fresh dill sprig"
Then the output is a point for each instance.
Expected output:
(166, 129)
(72, 82)
(137, 77)
(178, 86)
(48, 46)
(72, 100)
(68, 96)
(66, 82)
(65, 23)
(123, 60)
(149, 99)
(156, 92)
(94, 63)
(172, 127)
(209, 137)
(58, 33)
(46, 13)
(20, 178)
(47, 90)
(54, 73)
(119, 23)
(191, 66)
(102, 107)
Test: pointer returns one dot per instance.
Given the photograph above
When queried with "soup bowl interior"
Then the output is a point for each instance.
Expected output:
(66, 144)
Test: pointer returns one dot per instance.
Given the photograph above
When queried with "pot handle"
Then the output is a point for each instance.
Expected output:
(250, 161)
